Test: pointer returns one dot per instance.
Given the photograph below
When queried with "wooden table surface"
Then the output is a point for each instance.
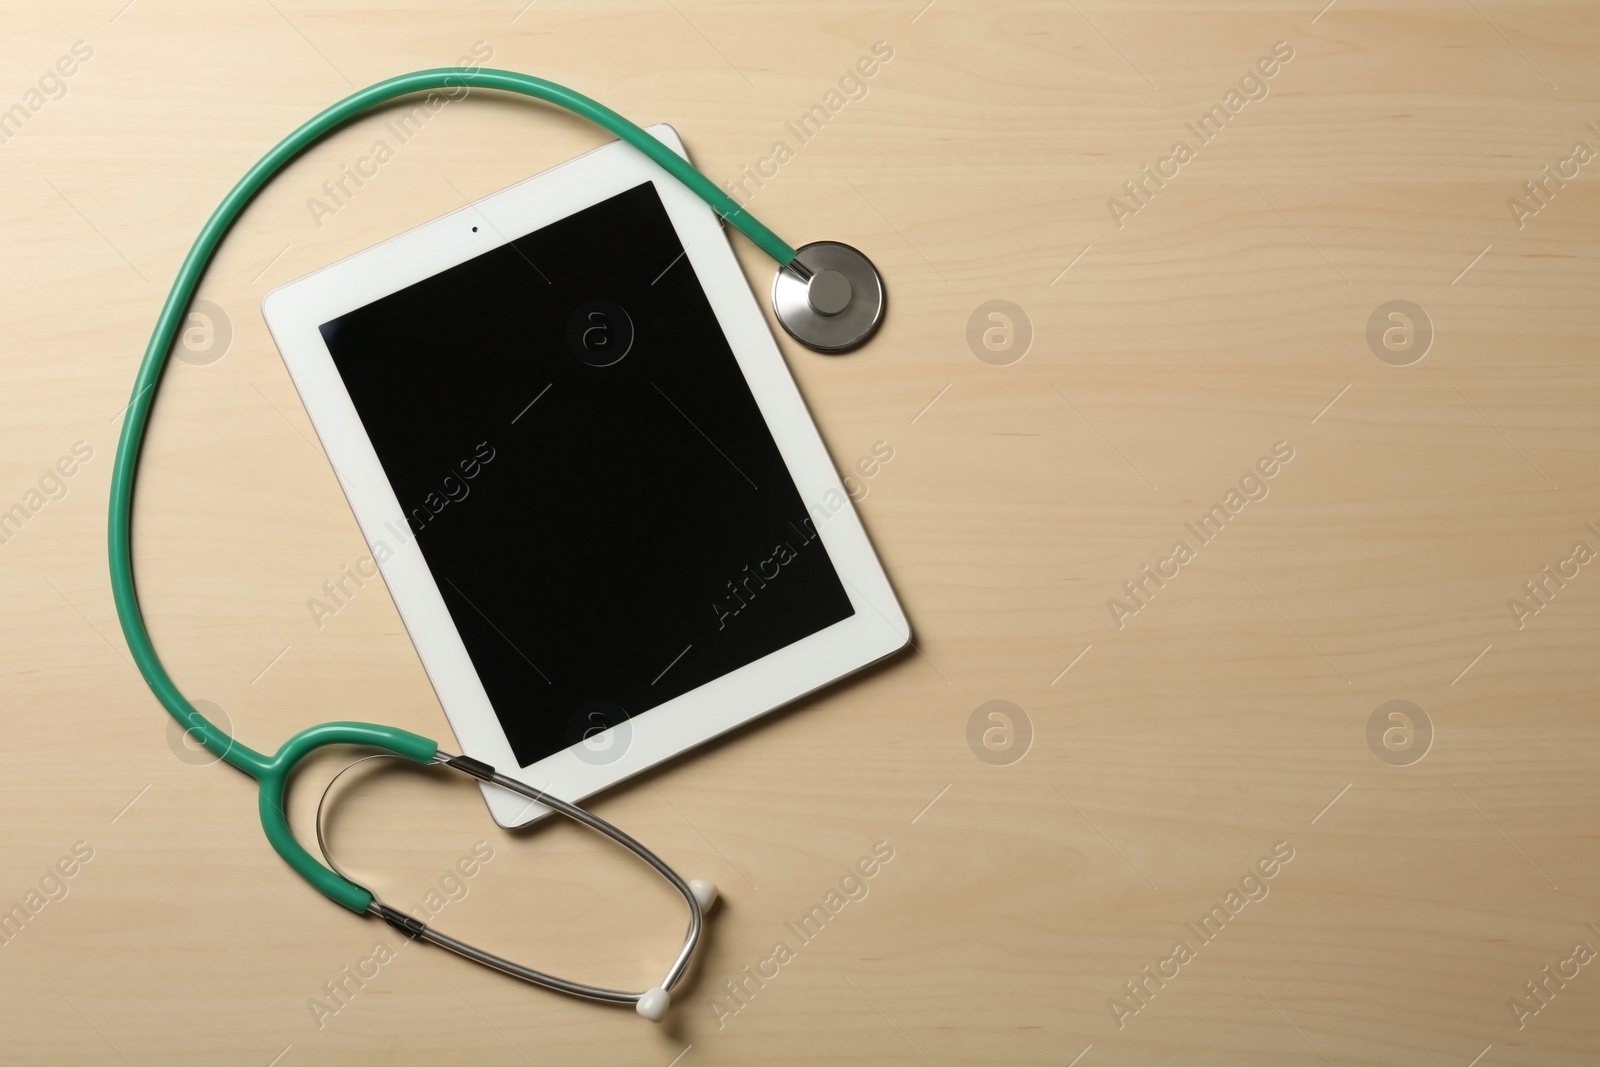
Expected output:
(1336, 347)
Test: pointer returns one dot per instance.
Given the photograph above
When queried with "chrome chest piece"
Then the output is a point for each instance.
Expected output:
(830, 297)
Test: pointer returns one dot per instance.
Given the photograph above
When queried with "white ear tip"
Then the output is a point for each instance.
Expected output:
(705, 892)
(654, 1003)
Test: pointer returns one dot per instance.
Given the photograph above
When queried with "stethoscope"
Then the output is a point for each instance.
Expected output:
(827, 295)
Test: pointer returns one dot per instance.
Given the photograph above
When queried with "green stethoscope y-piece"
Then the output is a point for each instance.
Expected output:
(826, 295)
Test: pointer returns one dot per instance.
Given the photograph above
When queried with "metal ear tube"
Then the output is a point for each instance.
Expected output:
(652, 1003)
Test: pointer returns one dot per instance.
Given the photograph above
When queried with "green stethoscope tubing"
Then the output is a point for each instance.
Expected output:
(272, 772)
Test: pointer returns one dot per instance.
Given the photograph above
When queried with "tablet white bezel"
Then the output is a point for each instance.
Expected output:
(295, 311)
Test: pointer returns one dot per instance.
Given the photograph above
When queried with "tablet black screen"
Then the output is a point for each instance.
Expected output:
(586, 473)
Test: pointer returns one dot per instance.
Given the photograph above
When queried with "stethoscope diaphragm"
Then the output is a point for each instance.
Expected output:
(830, 297)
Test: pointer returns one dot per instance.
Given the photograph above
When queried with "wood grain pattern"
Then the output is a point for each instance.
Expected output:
(1169, 354)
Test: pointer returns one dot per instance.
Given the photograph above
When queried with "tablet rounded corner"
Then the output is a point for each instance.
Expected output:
(510, 811)
(668, 135)
(902, 636)
(270, 301)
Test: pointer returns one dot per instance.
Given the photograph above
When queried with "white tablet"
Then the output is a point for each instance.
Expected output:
(585, 473)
